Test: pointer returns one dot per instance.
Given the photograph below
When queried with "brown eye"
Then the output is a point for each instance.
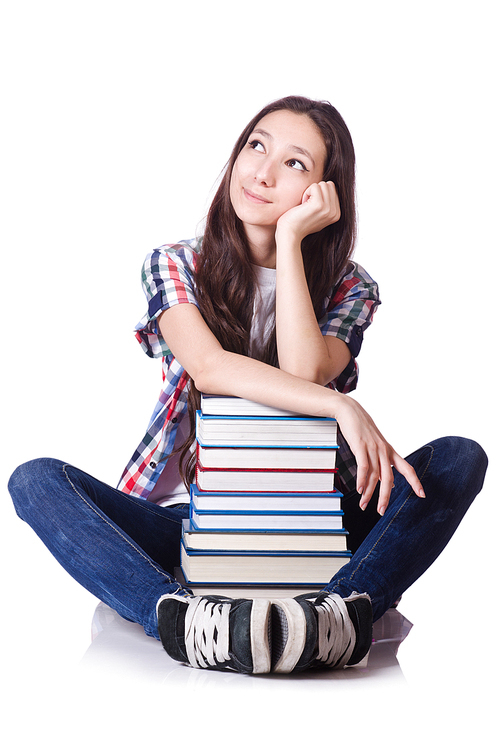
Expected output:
(256, 145)
(296, 164)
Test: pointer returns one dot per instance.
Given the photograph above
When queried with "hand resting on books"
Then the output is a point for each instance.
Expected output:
(375, 457)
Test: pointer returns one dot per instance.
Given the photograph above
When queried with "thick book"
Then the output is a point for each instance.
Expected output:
(260, 480)
(232, 405)
(266, 520)
(309, 432)
(204, 500)
(261, 568)
(251, 591)
(247, 591)
(262, 540)
(256, 457)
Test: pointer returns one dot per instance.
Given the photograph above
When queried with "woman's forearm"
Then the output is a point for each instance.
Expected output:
(215, 370)
(247, 378)
(302, 348)
(233, 374)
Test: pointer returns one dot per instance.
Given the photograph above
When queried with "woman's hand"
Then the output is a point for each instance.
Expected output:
(320, 207)
(374, 456)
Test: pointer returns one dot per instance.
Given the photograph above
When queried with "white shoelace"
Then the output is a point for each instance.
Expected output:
(207, 632)
(336, 634)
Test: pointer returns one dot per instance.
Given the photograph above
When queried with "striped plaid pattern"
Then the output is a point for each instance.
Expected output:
(349, 312)
(167, 279)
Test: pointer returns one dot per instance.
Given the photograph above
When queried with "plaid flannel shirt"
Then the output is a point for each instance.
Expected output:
(167, 279)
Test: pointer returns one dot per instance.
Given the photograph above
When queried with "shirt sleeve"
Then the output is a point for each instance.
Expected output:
(167, 280)
(350, 311)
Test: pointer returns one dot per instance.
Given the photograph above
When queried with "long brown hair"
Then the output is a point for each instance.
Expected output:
(224, 277)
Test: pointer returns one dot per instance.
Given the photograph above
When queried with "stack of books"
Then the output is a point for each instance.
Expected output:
(265, 518)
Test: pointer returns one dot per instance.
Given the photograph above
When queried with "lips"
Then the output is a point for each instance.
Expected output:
(255, 197)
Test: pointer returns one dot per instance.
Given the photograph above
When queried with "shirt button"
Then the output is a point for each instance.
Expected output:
(174, 420)
(152, 464)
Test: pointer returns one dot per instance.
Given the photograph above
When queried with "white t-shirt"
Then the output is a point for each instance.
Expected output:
(170, 489)
(264, 308)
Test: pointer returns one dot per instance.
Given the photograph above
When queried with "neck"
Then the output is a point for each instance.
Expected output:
(262, 243)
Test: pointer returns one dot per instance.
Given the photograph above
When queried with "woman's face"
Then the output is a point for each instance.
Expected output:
(282, 157)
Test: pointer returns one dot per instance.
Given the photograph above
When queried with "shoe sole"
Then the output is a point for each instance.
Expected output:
(359, 608)
(296, 631)
(260, 619)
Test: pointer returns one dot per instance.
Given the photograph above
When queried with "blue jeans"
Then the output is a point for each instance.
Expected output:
(124, 549)
(392, 551)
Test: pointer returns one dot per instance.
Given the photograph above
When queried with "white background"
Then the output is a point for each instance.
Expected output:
(117, 120)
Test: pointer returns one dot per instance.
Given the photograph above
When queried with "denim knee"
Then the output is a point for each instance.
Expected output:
(476, 455)
(28, 478)
(468, 451)
(462, 461)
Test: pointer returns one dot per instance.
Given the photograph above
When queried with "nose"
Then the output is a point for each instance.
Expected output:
(265, 173)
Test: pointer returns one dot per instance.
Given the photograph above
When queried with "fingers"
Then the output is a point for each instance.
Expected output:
(375, 458)
(409, 474)
(325, 194)
(333, 200)
(372, 470)
(318, 209)
(386, 486)
(376, 468)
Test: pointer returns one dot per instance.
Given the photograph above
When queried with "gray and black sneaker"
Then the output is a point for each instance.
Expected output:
(216, 632)
(320, 629)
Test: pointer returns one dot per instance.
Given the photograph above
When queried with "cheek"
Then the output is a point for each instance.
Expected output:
(237, 175)
(241, 168)
(293, 196)
(233, 184)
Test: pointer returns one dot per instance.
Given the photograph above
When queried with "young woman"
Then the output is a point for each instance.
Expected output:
(267, 306)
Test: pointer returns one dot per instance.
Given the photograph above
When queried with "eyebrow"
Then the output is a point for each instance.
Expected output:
(293, 147)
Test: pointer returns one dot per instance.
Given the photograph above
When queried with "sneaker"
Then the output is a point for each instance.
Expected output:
(320, 629)
(215, 632)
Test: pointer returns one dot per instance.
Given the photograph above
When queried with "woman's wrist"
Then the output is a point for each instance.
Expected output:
(337, 402)
(288, 237)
